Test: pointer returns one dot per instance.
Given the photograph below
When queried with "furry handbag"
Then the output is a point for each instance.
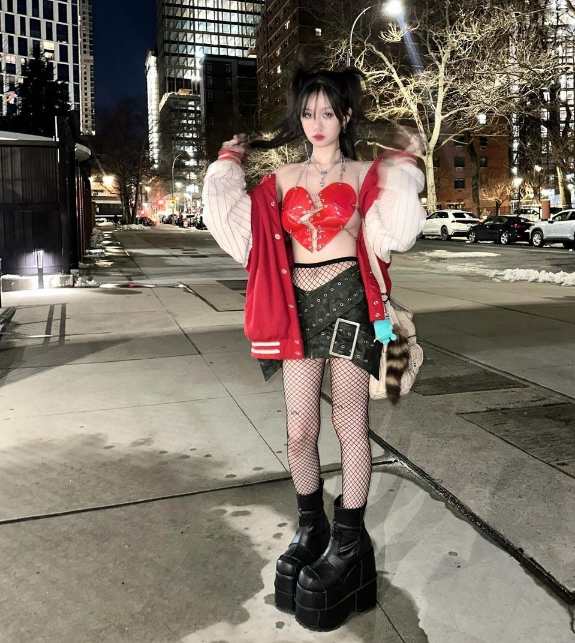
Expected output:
(401, 359)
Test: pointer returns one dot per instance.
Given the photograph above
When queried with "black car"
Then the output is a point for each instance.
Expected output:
(500, 229)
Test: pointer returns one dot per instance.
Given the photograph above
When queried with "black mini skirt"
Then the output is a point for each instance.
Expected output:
(334, 321)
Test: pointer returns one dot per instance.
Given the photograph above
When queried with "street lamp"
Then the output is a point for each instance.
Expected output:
(178, 156)
(482, 118)
(393, 8)
(517, 182)
(108, 180)
(537, 169)
(359, 15)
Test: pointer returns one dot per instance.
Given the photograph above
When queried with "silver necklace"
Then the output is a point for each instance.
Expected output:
(323, 173)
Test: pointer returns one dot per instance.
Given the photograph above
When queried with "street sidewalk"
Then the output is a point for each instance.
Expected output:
(145, 485)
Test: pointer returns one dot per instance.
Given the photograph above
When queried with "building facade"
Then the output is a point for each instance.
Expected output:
(153, 91)
(456, 170)
(87, 84)
(63, 32)
(285, 27)
(543, 154)
(229, 99)
(189, 30)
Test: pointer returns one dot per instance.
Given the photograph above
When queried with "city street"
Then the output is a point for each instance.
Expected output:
(146, 484)
(146, 492)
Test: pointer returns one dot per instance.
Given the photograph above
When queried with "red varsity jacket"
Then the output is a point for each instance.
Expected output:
(271, 321)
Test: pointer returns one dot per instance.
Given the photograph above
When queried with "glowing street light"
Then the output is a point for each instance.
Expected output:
(482, 118)
(517, 181)
(393, 8)
(537, 168)
(108, 180)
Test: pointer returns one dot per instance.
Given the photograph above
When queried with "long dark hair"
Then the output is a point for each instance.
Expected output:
(343, 89)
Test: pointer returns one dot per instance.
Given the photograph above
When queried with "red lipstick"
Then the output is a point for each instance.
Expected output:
(318, 137)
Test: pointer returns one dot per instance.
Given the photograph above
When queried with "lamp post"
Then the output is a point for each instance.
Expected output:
(517, 182)
(180, 155)
(392, 8)
(538, 169)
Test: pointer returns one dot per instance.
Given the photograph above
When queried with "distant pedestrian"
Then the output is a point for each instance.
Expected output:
(339, 218)
(116, 220)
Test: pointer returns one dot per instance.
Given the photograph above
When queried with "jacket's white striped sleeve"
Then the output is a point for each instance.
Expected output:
(396, 217)
(227, 209)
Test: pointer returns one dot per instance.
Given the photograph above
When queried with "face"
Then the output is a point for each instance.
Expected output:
(320, 124)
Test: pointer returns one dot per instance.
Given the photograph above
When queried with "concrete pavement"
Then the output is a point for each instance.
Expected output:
(145, 490)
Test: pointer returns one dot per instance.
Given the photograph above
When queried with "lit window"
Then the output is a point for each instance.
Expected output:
(318, 32)
(287, 24)
(279, 69)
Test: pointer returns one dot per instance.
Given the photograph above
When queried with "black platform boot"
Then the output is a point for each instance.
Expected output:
(343, 579)
(309, 542)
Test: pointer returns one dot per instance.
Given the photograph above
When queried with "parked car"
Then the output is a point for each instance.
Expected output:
(146, 221)
(448, 223)
(559, 229)
(531, 213)
(503, 230)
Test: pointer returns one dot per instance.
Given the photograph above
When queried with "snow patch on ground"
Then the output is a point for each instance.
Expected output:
(538, 276)
(519, 274)
(133, 226)
(448, 254)
(82, 282)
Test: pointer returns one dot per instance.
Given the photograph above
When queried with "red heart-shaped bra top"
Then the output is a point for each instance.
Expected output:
(320, 225)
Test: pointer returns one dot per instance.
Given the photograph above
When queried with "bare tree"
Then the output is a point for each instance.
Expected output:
(469, 62)
(262, 162)
(122, 146)
(500, 192)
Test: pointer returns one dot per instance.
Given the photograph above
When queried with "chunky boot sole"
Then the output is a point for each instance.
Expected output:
(312, 612)
(285, 588)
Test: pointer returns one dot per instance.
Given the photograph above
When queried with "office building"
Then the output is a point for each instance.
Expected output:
(229, 99)
(87, 89)
(153, 90)
(63, 32)
(285, 27)
(189, 30)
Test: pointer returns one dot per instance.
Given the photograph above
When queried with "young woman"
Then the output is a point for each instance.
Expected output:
(316, 239)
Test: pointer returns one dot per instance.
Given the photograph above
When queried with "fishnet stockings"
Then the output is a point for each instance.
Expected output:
(314, 277)
(350, 397)
(349, 414)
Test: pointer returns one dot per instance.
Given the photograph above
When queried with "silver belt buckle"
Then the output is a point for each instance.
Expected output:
(333, 338)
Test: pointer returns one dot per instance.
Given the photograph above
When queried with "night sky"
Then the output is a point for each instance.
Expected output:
(123, 32)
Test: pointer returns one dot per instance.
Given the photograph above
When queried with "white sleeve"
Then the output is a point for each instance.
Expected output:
(396, 217)
(227, 209)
